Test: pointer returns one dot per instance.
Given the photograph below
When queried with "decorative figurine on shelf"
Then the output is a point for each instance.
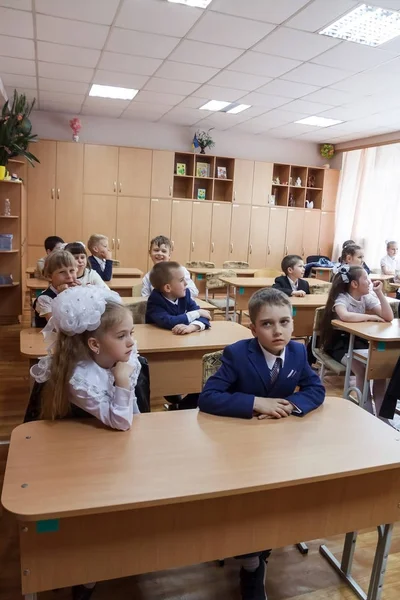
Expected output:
(76, 126)
(309, 204)
(298, 182)
(292, 201)
(7, 208)
(290, 180)
(311, 181)
(272, 200)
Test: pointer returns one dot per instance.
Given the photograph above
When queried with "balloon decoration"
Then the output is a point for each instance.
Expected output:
(75, 125)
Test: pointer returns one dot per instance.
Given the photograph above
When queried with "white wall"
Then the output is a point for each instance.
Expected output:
(124, 132)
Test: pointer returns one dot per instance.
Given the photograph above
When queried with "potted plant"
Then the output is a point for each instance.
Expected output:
(327, 151)
(15, 131)
(203, 140)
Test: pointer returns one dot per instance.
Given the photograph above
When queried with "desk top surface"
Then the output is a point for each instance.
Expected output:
(380, 277)
(310, 300)
(261, 282)
(117, 271)
(118, 283)
(152, 340)
(372, 331)
(74, 468)
(133, 300)
(204, 270)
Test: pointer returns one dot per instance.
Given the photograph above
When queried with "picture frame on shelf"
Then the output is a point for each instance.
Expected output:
(221, 173)
(201, 194)
(202, 169)
(180, 168)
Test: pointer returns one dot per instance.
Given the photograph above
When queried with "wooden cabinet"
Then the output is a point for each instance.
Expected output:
(243, 181)
(262, 182)
(134, 172)
(42, 194)
(201, 231)
(326, 234)
(69, 177)
(162, 175)
(330, 189)
(181, 230)
(294, 231)
(220, 233)
(160, 220)
(276, 237)
(240, 227)
(100, 216)
(258, 242)
(100, 170)
(132, 234)
(311, 232)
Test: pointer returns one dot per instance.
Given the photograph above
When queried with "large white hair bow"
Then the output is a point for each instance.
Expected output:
(343, 271)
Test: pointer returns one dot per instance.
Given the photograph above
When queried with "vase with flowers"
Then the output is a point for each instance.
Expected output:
(203, 140)
(327, 151)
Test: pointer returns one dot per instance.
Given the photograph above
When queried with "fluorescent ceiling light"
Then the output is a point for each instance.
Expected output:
(318, 121)
(109, 91)
(239, 108)
(215, 105)
(197, 3)
(367, 25)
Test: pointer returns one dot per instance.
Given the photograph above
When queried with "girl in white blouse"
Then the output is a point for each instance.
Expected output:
(85, 275)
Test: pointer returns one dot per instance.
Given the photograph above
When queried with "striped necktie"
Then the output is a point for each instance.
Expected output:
(275, 370)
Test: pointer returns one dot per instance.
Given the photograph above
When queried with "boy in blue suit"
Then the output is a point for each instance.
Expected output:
(258, 377)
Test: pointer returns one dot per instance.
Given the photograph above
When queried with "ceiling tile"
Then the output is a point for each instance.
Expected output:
(209, 55)
(213, 92)
(288, 89)
(251, 126)
(113, 112)
(61, 107)
(241, 81)
(264, 100)
(67, 55)
(68, 87)
(17, 47)
(53, 71)
(149, 112)
(156, 84)
(316, 75)
(75, 100)
(353, 57)
(224, 121)
(292, 43)
(17, 4)
(192, 102)
(367, 82)
(183, 116)
(16, 23)
(141, 44)
(320, 13)
(92, 11)
(290, 130)
(124, 63)
(329, 96)
(157, 17)
(184, 72)
(72, 33)
(229, 31)
(310, 108)
(30, 94)
(260, 10)
(347, 113)
(17, 66)
(316, 136)
(158, 98)
(19, 81)
(125, 80)
(263, 64)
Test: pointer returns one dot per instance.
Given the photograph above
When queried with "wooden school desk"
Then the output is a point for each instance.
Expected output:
(117, 272)
(322, 273)
(133, 300)
(178, 489)
(120, 284)
(382, 354)
(199, 275)
(175, 361)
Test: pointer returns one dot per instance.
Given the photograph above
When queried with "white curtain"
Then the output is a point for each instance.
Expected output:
(368, 205)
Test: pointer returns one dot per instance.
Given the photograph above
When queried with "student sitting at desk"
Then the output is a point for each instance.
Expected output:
(353, 254)
(292, 283)
(53, 242)
(101, 259)
(259, 377)
(85, 274)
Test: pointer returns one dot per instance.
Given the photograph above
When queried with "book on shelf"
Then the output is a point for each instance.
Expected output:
(201, 194)
(180, 168)
(221, 172)
(202, 170)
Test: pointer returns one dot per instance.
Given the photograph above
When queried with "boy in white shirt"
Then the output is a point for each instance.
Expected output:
(390, 263)
(160, 251)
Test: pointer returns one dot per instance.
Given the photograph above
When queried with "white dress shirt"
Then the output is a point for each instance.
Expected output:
(192, 315)
(90, 277)
(101, 261)
(147, 288)
(270, 360)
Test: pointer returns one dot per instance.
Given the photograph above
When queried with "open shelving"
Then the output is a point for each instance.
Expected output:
(287, 193)
(214, 174)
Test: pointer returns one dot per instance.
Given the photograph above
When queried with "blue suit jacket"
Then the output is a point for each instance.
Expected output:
(163, 313)
(244, 374)
(106, 275)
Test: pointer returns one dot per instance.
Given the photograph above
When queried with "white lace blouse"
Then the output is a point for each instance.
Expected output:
(92, 388)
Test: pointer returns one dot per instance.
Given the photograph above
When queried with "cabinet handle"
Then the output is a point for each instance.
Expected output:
(286, 250)
(120, 187)
(52, 193)
(192, 246)
(212, 247)
(118, 242)
(269, 250)
(231, 247)
(58, 193)
(113, 244)
(170, 190)
(115, 186)
(303, 252)
(234, 195)
(172, 245)
(251, 249)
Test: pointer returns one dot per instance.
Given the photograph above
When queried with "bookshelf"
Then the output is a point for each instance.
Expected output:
(212, 175)
(297, 186)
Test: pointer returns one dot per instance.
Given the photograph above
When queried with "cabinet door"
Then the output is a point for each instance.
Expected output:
(100, 216)
(258, 242)
(294, 231)
(134, 172)
(160, 220)
(100, 170)
(162, 175)
(243, 181)
(42, 194)
(133, 217)
(262, 183)
(220, 233)
(240, 226)
(69, 178)
(201, 231)
(311, 232)
(276, 237)
(181, 230)
(326, 234)
(329, 193)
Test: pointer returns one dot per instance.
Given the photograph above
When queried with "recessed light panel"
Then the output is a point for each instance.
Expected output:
(214, 105)
(318, 121)
(196, 3)
(237, 109)
(109, 91)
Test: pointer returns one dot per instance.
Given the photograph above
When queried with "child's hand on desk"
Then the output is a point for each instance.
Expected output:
(299, 294)
(205, 314)
(375, 318)
(272, 407)
(184, 329)
(121, 372)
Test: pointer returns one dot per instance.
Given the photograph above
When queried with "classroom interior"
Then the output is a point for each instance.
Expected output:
(305, 129)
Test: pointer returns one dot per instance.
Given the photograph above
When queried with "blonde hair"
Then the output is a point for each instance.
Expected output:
(57, 260)
(94, 239)
(69, 351)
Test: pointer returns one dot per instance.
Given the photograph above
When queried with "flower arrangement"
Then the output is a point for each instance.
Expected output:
(327, 151)
(15, 130)
(76, 126)
(203, 140)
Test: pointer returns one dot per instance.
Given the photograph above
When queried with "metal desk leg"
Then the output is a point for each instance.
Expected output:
(227, 303)
(348, 366)
(30, 596)
(380, 561)
(365, 389)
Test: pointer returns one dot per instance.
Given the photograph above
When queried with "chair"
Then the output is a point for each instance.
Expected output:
(137, 289)
(198, 264)
(327, 363)
(138, 310)
(315, 258)
(267, 273)
(235, 264)
(213, 282)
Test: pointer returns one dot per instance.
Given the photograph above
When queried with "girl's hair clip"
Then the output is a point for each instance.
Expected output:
(343, 271)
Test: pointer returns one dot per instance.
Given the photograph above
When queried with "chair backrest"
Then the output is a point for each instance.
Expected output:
(213, 281)
(315, 258)
(211, 364)
(116, 263)
(235, 264)
(137, 289)
(138, 310)
(318, 316)
(198, 264)
(319, 289)
(395, 308)
(267, 273)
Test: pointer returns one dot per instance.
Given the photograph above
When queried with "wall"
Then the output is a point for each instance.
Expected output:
(124, 132)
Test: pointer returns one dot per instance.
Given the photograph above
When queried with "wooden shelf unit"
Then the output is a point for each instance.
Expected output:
(311, 188)
(187, 184)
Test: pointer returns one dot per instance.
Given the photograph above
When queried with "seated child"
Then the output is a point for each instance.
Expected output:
(100, 261)
(60, 269)
(53, 242)
(259, 377)
(292, 283)
(390, 264)
(160, 250)
(353, 254)
(85, 275)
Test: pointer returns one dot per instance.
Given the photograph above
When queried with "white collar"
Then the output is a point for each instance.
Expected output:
(53, 289)
(101, 261)
(271, 358)
(172, 301)
(294, 284)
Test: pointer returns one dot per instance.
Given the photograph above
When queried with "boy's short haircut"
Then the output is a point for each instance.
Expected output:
(51, 242)
(161, 274)
(289, 262)
(95, 239)
(390, 243)
(57, 260)
(160, 240)
(266, 297)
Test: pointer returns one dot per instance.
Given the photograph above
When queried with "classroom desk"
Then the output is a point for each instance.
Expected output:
(178, 489)
(121, 285)
(175, 361)
(199, 275)
(117, 272)
(382, 354)
(380, 277)
(134, 300)
(322, 273)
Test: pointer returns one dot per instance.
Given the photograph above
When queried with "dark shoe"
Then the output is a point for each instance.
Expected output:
(80, 592)
(252, 584)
